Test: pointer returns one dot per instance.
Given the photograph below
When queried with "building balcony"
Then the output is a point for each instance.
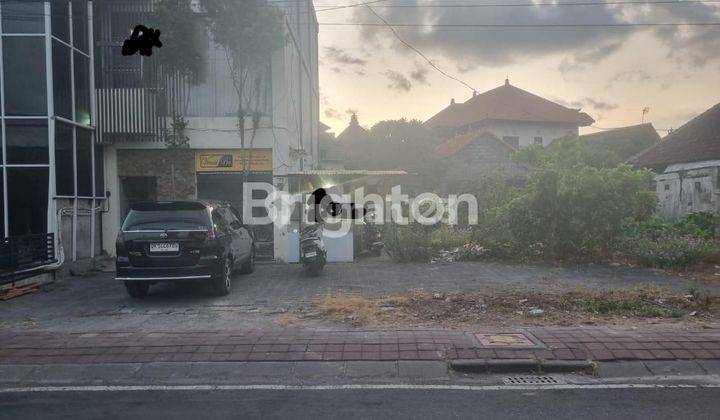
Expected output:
(130, 115)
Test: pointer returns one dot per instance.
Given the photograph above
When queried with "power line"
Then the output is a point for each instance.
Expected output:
(417, 51)
(366, 3)
(546, 4)
(520, 25)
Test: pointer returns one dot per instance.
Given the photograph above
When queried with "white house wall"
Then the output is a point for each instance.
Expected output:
(294, 124)
(527, 131)
(688, 188)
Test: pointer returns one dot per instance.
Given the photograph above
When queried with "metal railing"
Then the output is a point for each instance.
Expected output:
(21, 253)
(130, 114)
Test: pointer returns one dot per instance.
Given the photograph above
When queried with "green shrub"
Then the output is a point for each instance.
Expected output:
(567, 212)
(407, 243)
(446, 238)
(672, 250)
(701, 224)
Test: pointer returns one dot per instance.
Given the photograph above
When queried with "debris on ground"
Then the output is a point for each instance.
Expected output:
(19, 291)
(447, 256)
(535, 312)
(520, 307)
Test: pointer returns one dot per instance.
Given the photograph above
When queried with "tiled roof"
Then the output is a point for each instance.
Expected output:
(507, 103)
(625, 142)
(697, 140)
(452, 146)
(354, 133)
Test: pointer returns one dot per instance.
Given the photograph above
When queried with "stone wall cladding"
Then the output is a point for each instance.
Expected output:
(162, 164)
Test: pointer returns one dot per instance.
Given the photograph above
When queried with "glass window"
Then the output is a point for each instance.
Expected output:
(219, 224)
(99, 172)
(82, 89)
(64, 177)
(513, 141)
(24, 68)
(62, 84)
(149, 219)
(84, 162)
(27, 200)
(27, 17)
(80, 24)
(61, 20)
(27, 141)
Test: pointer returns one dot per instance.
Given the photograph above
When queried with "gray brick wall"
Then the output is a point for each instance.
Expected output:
(482, 158)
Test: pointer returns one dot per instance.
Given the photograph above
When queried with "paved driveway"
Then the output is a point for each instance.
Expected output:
(97, 302)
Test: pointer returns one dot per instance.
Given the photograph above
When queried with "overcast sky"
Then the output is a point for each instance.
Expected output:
(611, 73)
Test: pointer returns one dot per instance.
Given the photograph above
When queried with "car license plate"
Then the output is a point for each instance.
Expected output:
(165, 247)
(310, 254)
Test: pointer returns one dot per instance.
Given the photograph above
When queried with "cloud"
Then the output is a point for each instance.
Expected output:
(338, 56)
(333, 113)
(469, 48)
(631, 76)
(591, 103)
(419, 74)
(472, 47)
(693, 46)
(600, 105)
(398, 81)
(580, 60)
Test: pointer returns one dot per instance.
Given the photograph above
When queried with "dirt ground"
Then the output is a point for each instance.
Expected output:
(386, 293)
(636, 307)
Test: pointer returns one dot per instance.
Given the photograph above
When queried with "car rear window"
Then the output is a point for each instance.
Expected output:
(166, 219)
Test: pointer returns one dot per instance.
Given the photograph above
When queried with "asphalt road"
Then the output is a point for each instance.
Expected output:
(670, 403)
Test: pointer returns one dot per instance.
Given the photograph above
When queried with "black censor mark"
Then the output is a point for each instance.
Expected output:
(142, 39)
(321, 202)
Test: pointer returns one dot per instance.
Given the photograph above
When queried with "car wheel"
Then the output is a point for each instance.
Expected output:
(223, 282)
(249, 264)
(137, 289)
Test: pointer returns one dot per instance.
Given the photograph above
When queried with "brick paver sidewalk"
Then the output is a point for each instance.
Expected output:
(601, 344)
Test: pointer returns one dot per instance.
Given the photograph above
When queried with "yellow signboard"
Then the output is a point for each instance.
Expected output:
(234, 160)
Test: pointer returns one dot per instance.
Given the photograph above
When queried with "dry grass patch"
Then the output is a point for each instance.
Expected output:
(358, 310)
(288, 319)
(505, 307)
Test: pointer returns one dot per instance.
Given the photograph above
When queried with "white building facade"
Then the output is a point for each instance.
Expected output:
(286, 139)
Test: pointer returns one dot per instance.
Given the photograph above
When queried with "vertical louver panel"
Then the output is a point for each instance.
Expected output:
(129, 114)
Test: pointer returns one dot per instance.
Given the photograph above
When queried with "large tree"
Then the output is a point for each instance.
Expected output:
(404, 144)
(248, 31)
(182, 57)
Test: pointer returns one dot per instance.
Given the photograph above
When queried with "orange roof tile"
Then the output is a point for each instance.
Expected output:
(452, 146)
(507, 103)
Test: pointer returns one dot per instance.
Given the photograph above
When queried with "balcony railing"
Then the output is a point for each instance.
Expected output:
(21, 253)
(130, 114)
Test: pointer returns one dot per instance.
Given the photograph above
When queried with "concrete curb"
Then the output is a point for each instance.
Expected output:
(522, 366)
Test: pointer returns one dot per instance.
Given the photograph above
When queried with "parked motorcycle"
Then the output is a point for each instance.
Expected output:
(312, 249)
(370, 239)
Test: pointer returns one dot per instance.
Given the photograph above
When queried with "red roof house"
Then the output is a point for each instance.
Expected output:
(507, 103)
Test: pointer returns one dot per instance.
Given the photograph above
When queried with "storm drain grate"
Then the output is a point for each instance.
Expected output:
(530, 380)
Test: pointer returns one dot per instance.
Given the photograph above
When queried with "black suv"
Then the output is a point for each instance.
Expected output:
(182, 240)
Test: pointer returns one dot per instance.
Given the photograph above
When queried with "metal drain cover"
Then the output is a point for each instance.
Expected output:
(531, 380)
